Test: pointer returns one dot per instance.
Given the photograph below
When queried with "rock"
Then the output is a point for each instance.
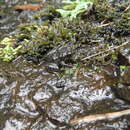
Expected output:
(126, 77)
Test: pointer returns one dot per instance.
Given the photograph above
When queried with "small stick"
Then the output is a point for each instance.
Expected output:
(127, 9)
(103, 21)
(102, 52)
(104, 25)
(96, 117)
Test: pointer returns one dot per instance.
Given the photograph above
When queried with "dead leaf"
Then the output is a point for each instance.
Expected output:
(33, 7)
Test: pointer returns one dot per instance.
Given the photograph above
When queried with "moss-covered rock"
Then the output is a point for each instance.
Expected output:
(103, 27)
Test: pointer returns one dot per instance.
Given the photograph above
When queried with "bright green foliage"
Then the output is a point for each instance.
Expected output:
(123, 68)
(7, 52)
(75, 7)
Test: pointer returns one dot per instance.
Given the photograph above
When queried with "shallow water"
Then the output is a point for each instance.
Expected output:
(33, 98)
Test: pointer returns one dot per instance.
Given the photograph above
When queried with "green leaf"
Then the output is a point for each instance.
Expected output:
(70, 7)
(64, 13)
(74, 8)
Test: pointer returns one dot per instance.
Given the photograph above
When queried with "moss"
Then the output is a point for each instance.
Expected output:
(48, 13)
(85, 33)
(7, 50)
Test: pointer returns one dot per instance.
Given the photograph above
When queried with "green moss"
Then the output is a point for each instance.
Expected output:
(7, 51)
(83, 32)
(47, 13)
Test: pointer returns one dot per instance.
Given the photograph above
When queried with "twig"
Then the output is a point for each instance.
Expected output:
(102, 52)
(127, 9)
(104, 25)
(96, 117)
